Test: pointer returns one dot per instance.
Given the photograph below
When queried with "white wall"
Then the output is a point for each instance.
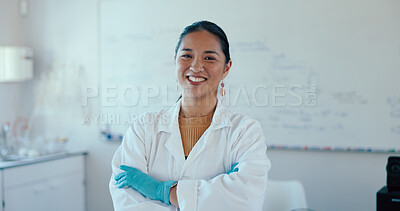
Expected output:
(11, 23)
(66, 31)
(12, 95)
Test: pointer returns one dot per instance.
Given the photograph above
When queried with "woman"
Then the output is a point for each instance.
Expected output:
(196, 155)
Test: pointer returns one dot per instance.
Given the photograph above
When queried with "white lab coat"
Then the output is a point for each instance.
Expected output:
(153, 145)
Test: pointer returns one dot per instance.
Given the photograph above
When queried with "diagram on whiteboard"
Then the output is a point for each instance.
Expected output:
(331, 81)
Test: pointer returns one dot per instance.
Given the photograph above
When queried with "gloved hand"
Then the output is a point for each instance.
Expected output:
(144, 183)
(233, 169)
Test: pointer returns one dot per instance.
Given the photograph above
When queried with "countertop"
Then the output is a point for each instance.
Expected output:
(39, 159)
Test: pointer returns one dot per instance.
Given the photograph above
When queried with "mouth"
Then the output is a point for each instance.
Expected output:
(196, 80)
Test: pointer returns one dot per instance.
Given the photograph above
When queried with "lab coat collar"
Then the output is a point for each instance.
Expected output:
(169, 119)
(221, 119)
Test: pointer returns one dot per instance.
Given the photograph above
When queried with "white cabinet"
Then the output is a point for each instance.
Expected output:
(1, 192)
(57, 184)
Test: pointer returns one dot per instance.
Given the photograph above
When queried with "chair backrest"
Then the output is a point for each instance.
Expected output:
(284, 195)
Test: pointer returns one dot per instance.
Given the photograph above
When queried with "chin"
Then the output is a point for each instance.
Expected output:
(193, 95)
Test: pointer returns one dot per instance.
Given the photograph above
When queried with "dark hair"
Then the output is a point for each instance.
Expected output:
(211, 28)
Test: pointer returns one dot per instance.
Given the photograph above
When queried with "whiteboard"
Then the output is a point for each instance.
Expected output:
(314, 73)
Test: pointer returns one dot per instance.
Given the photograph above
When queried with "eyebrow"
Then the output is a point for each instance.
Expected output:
(188, 49)
(211, 52)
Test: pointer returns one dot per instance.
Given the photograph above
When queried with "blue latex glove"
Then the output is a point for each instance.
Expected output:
(144, 183)
(233, 169)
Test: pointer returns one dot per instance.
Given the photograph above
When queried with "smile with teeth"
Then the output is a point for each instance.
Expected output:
(196, 79)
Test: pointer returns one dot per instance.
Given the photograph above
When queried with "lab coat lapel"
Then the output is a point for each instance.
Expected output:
(220, 120)
(174, 143)
(175, 147)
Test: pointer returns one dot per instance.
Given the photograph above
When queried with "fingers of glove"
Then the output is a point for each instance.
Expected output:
(131, 170)
(234, 165)
(120, 180)
(126, 168)
(122, 184)
(120, 175)
(233, 169)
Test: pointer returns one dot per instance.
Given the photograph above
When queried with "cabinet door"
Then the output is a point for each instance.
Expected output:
(27, 174)
(1, 191)
(63, 193)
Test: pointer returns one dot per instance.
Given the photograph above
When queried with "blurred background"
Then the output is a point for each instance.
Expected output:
(77, 53)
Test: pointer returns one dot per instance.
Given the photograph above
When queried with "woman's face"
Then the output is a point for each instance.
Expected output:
(200, 65)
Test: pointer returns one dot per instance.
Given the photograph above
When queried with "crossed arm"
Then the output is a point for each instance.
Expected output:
(173, 199)
(244, 190)
(150, 187)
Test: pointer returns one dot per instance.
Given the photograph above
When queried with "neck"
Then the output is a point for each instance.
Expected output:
(192, 107)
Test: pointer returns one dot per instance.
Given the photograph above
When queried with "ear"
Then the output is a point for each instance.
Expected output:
(226, 70)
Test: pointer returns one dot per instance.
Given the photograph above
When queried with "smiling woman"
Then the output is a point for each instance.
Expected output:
(215, 56)
(200, 67)
(197, 155)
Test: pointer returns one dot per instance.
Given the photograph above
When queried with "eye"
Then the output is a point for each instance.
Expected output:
(209, 58)
(186, 56)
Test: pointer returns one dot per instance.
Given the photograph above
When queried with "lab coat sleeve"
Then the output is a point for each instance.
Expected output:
(131, 152)
(242, 190)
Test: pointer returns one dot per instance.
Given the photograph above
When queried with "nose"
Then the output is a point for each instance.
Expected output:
(197, 66)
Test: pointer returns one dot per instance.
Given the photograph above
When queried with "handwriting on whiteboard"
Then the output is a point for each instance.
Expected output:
(254, 46)
(394, 103)
(394, 113)
(349, 97)
(307, 120)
